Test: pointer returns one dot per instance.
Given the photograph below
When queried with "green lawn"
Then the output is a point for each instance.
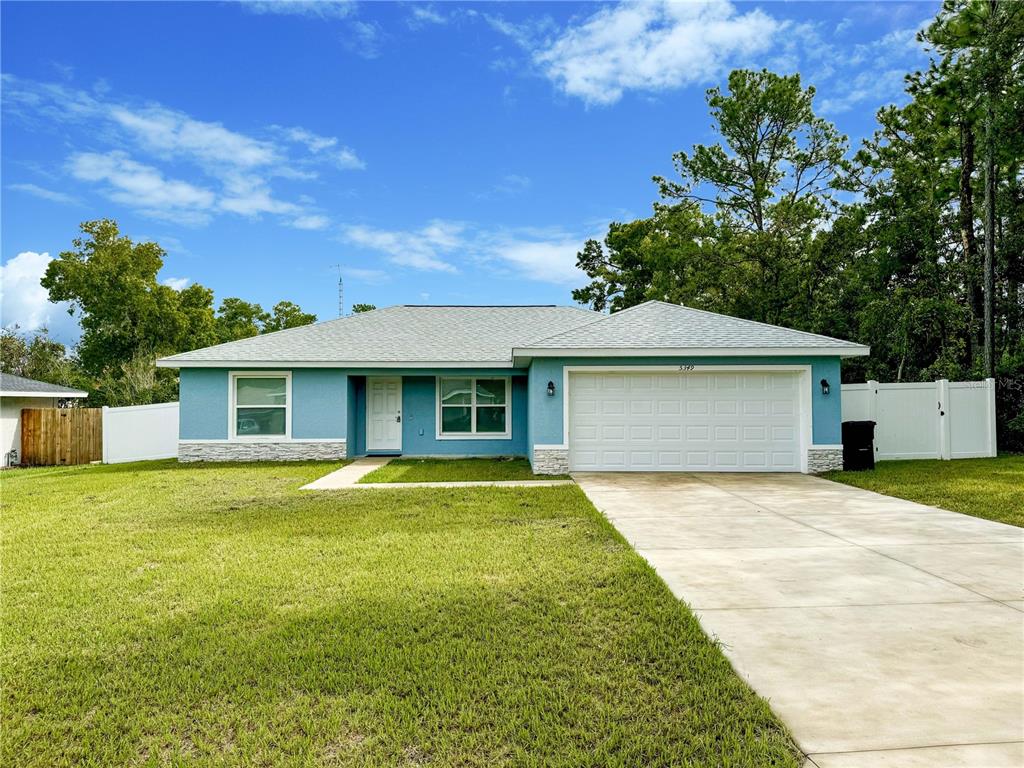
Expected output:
(165, 614)
(989, 488)
(452, 470)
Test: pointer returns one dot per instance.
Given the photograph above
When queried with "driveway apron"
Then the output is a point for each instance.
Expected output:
(884, 632)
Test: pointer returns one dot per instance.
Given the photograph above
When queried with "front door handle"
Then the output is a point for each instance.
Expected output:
(398, 418)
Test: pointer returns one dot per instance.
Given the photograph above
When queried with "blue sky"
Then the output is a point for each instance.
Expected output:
(441, 153)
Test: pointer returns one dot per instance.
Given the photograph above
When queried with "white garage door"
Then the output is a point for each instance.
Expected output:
(714, 421)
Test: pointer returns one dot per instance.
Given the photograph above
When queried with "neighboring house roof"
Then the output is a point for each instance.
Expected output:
(19, 386)
(658, 325)
(421, 336)
(403, 334)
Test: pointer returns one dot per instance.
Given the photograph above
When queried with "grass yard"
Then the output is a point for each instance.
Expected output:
(165, 614)
(453, 470)
(988, 488)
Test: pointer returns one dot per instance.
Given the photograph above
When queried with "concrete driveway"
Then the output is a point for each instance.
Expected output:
(884, 632)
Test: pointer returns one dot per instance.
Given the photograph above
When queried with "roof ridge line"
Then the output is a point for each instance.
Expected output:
(318, 324)
(759, 322)
(599, 319)
(602, 319)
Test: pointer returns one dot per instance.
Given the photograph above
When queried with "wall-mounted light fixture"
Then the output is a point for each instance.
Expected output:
(551, 389)
(825, 388)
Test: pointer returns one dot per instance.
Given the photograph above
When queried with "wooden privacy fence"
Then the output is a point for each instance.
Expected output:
(53, 436)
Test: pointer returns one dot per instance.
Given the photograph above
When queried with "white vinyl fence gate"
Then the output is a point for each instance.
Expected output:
(926, 420)
(140, 433)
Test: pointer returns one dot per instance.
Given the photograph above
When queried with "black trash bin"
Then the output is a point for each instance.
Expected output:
(858, 445)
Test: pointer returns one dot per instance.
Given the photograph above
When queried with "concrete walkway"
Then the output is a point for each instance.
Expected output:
(883, 632)
(347, 476)
(350, 475)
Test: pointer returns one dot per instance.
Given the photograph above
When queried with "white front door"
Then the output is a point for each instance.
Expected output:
(705, 422)
(383, 414)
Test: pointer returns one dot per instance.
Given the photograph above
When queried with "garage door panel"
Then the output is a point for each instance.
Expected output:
(783, 458)
(755, 459)
(686, 421)
(782, 408)
(751, 433)
(697, 407)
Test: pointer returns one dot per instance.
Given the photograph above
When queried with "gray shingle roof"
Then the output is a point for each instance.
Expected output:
(660, 325)
(401, 334)
(11, 383)
(471, 334)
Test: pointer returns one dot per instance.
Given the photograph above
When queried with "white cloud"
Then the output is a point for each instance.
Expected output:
(166, 131)
(660, 45)
(872, 86)
(547, 256)
(320, 9)
(347, 159)
(551, 260)
(364, 38)
(238, 167)
(422, 15)
(652, 46)
(369, 276)
(327, 148)
(421, 249)
(25, 303)
(249, 195)
(45, 194)
(510, 185)
(141, 186)
(177, 283)
(313, 221)
(888, 49)
(312, 141)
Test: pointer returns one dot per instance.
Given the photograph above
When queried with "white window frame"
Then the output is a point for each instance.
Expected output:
(474, 435)
(233, 406)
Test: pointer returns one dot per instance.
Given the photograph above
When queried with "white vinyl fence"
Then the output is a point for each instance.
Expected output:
(140, 433)
(926, 420)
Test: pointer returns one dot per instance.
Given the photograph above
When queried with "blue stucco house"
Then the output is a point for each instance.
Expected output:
(657, 387)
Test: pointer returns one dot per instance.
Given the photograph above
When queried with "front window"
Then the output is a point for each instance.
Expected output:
(474, 406)
(260, 405)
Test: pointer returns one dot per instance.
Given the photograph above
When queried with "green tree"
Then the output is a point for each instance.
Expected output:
(238, 319)
(771, 181)
(37, 356)
(983, 41)
(111, 285)
(769, 186)
(285, 314)
(357, 308)
(662, 257)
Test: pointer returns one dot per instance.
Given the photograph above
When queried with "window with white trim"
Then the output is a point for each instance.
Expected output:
(470, 406)
(260, 403)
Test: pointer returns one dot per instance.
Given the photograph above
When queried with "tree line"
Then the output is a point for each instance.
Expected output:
(128, 319)
(911, 243)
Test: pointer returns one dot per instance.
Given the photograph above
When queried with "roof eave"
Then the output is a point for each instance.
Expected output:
(21, 393)
(236, 364)
(842, 350)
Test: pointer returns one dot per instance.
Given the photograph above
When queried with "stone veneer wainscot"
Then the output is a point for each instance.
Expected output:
(293, 450)
(550, 461)
(824, 460)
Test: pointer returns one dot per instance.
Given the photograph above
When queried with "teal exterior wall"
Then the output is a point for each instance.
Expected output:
(546, 412)
(203, 413)
(331, 403)
(419, 423)
(319, 403)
